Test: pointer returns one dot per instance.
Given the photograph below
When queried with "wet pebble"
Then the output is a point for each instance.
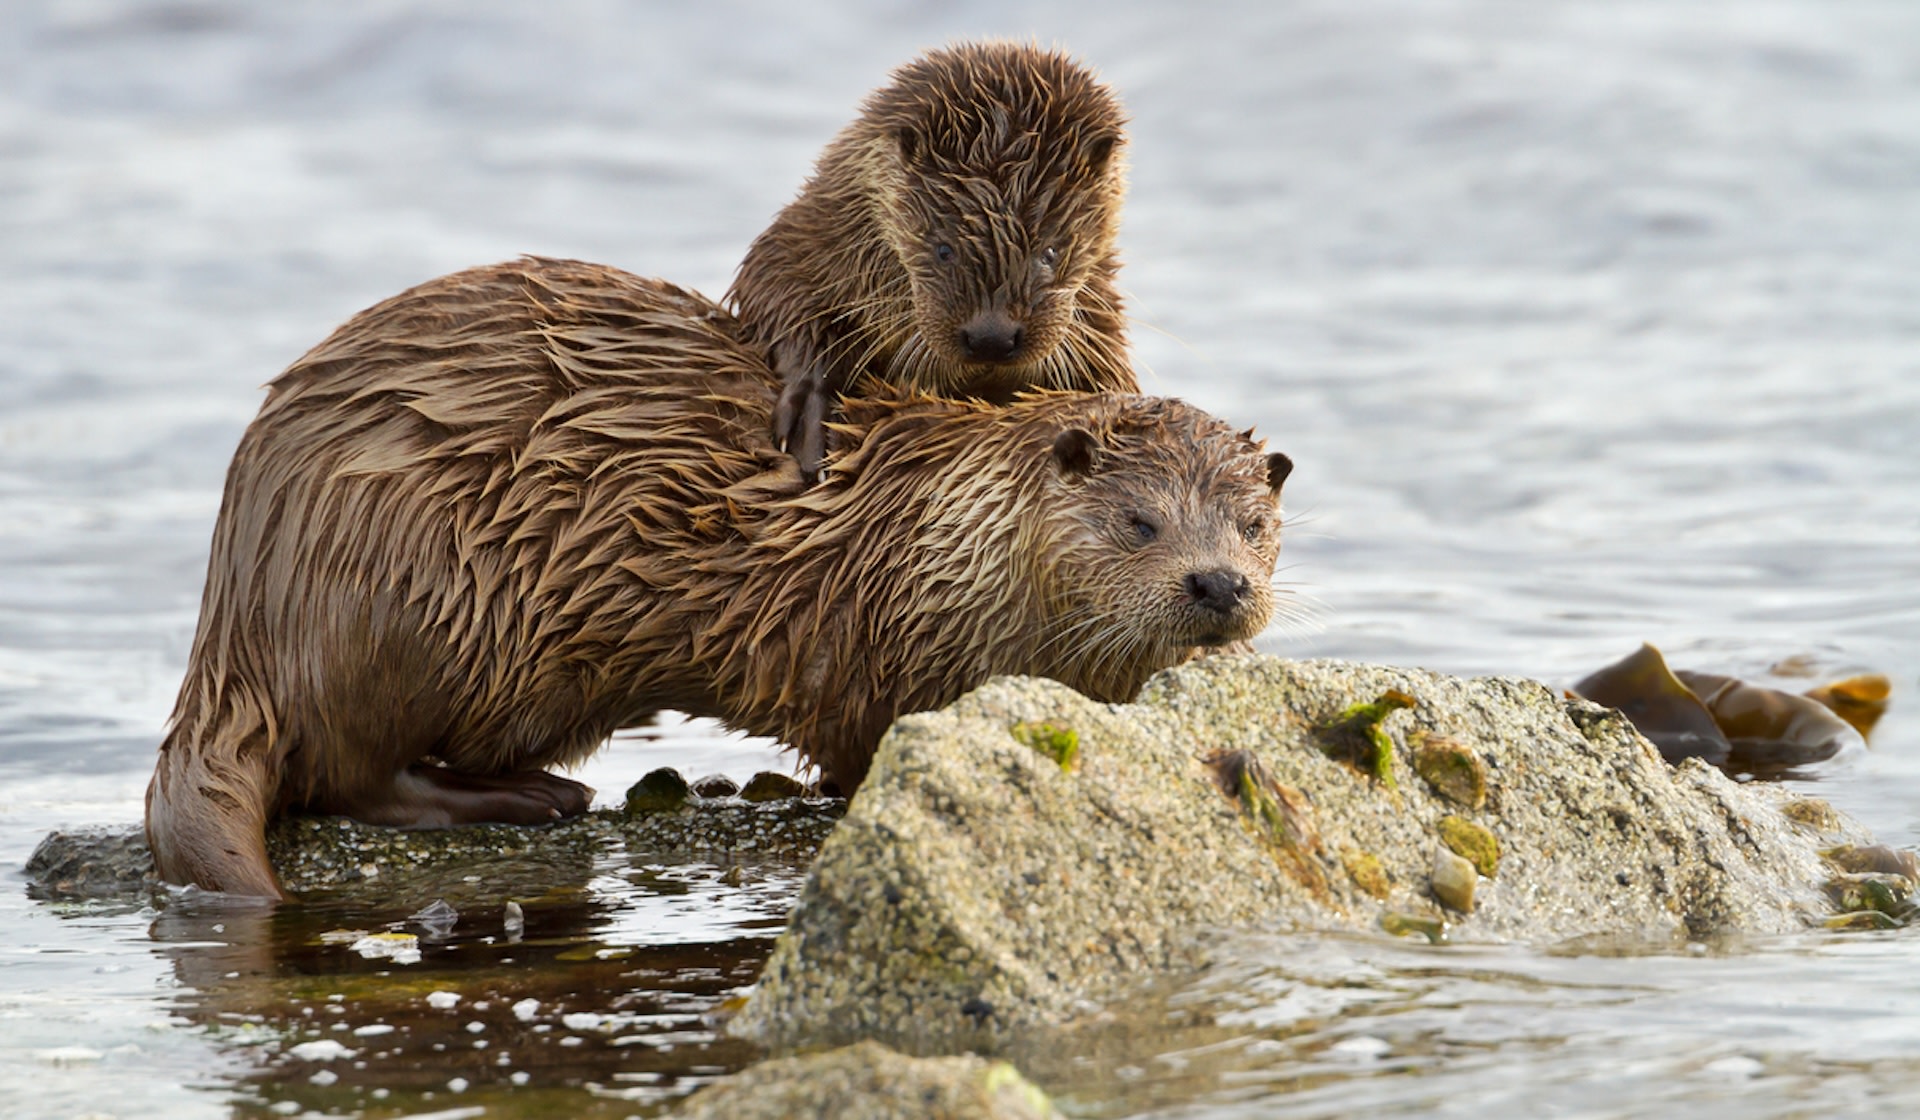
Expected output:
(768, 786)
(657, 791)
(716, 786)
(1453, 881)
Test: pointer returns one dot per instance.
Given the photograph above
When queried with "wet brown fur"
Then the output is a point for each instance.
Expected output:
(495, 518)
(999, 151)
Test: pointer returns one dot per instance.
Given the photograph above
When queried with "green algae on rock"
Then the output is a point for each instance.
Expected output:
(1814, 813)
(1862, 920)
(1472, 843)
(1891, 895)
(1361, 723)
(1400, 923)
(1454, 772)
(1058, 743)
(1365, 870)
(1279, 815)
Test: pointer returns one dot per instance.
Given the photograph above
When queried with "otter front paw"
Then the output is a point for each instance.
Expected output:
(800, 417)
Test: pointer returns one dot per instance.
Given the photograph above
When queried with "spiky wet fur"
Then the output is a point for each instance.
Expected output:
(998, 150)
(495, 518)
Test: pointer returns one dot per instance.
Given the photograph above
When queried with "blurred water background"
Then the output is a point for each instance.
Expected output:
(1586, 323)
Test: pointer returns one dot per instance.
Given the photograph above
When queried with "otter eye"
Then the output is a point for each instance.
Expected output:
(1143, 529)
(1050, 257)
(944, 253)
(1255, 529)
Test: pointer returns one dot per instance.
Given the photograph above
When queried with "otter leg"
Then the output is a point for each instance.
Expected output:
(800, 413)
(427, 796)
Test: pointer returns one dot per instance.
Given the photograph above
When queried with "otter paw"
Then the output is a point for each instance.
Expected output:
(800, 419)
(434, 796)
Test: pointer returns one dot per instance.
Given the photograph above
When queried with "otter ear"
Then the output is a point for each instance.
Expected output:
(908, 142)
(1076, 452)
(1278, 468)
(1099, 151)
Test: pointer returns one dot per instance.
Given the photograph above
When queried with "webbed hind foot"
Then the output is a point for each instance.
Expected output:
(428, 796)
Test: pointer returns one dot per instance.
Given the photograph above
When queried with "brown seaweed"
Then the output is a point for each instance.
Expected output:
(1740, 727)
(1667, 712)
(1861, 700)
(1768, 730)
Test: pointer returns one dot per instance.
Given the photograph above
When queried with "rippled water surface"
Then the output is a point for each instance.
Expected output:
(1585, 323)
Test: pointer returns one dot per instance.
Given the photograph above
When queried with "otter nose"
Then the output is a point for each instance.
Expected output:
(991, 336)
(1220, 589)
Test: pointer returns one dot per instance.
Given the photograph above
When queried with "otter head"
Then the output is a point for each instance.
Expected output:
(999, 183)
(1167, 535)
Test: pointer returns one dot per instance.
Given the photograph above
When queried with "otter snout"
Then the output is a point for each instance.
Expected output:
(1222, 590)
(992, 336)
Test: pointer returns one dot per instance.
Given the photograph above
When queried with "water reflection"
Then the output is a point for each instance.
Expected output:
(567, 1014)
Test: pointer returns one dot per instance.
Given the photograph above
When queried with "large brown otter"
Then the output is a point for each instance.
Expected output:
(957, 239)
(495, 518)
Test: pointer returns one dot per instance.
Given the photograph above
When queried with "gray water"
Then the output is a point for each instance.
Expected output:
(1585, 323)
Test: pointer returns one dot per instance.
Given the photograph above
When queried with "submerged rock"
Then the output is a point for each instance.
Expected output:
(977, 885)
(867, 1081)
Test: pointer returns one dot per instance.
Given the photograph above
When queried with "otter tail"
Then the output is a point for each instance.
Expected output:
(207, 809)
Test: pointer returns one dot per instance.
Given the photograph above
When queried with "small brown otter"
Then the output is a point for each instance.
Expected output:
(498, 516)
(956, 239)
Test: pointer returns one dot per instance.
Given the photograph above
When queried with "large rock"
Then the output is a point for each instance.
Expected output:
(977, 883)
(867, 1081)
